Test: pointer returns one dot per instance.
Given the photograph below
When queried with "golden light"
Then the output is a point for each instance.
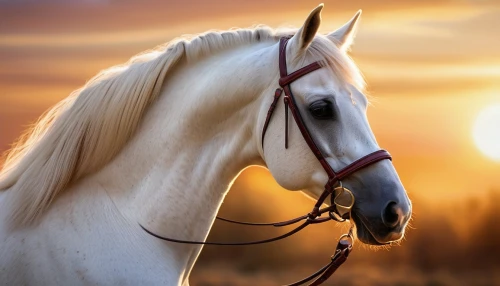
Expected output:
(486, 132)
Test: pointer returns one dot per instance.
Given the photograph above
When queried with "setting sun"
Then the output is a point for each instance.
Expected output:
(486, 132)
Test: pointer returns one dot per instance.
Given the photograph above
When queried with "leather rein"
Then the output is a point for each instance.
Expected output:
(333, 188)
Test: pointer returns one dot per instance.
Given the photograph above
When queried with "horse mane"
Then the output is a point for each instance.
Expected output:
(86, 130)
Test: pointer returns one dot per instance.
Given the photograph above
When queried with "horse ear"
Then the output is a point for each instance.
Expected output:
(304, 36)
(344, 36)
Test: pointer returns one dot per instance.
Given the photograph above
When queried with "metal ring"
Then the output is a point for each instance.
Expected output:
(342, 210)
(342, 190)
(347, 236)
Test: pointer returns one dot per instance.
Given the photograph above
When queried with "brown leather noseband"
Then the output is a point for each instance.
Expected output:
(344, 245)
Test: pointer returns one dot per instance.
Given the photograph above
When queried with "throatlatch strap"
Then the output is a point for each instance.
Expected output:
(277, 95)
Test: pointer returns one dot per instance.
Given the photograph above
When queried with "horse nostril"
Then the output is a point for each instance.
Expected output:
(391, 214)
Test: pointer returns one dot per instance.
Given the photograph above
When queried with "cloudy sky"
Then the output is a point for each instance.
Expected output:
(432, 65)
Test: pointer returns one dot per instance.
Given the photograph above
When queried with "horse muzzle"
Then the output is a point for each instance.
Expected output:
(381, 230)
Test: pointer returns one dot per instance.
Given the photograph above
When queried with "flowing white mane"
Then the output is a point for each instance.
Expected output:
(86, 130)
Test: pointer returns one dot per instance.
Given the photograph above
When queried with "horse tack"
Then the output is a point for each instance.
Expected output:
(344, 246)
(333, 187)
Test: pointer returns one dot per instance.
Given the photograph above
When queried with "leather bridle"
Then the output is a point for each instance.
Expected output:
(333, 177)
(333, 187)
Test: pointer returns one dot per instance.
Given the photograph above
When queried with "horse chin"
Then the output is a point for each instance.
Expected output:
(363, 232)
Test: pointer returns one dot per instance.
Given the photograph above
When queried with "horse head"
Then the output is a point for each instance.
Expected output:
(331, 107)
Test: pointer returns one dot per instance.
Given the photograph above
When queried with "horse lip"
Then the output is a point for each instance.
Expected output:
(364, 223)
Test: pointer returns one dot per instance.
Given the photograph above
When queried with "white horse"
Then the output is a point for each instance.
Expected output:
(159, 140)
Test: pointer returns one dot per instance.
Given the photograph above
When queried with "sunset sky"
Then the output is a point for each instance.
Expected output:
(431, 67)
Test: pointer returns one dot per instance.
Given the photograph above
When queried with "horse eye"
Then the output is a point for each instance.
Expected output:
(321, 109)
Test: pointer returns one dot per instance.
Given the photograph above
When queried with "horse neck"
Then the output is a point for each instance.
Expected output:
(203, 130)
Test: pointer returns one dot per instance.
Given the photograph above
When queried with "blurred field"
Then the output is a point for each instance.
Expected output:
(452, 242)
